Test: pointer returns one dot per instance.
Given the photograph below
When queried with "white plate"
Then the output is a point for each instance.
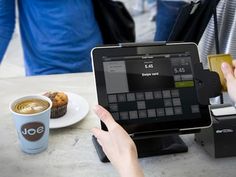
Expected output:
(77, 109)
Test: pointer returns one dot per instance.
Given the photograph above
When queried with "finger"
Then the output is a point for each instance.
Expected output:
(234, 65)
(105, 116)
(98, 133)
(101, 135)
(227, 71)
(99, 142)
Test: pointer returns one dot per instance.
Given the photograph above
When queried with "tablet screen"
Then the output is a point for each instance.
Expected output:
(141, 73)
(147, 91)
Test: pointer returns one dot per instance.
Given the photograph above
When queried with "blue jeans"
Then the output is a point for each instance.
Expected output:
(167, 12)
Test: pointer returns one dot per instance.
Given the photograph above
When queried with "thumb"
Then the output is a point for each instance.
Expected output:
(227, 71)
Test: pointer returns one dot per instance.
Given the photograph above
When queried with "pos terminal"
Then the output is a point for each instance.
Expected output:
(155, 91)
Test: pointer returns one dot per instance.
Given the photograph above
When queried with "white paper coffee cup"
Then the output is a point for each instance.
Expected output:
(32, 128)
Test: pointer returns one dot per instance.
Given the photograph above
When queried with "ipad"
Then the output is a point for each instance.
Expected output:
(149, 87)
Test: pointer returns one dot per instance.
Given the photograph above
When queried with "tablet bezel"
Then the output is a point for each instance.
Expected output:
(133, 49)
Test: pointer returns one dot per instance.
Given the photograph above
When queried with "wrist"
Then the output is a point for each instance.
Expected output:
(131, 168)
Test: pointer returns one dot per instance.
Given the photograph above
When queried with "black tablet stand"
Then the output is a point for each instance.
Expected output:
(207, 85)
(152, 146)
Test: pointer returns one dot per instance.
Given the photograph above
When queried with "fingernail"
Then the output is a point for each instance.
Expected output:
(224, 66)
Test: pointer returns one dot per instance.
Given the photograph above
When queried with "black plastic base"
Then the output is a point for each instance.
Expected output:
(151, 146)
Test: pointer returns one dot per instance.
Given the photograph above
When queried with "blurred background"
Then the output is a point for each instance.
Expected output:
(13, 65)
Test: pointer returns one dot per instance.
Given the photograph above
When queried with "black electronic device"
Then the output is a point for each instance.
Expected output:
(219, 139)
(154, 89)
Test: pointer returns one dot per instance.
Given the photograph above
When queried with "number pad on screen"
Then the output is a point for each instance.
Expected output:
(146, 105)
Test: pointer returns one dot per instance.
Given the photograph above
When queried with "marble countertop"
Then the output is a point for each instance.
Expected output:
(71, 152)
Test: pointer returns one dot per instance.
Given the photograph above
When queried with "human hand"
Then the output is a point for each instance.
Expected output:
(230, 76)
(117, 145)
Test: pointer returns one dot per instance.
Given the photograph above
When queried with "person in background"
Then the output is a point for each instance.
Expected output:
(120, 148)
(226, 11)
(57, 36)
(167, 12)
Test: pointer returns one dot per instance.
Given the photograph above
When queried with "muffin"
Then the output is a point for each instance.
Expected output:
(59, 103)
